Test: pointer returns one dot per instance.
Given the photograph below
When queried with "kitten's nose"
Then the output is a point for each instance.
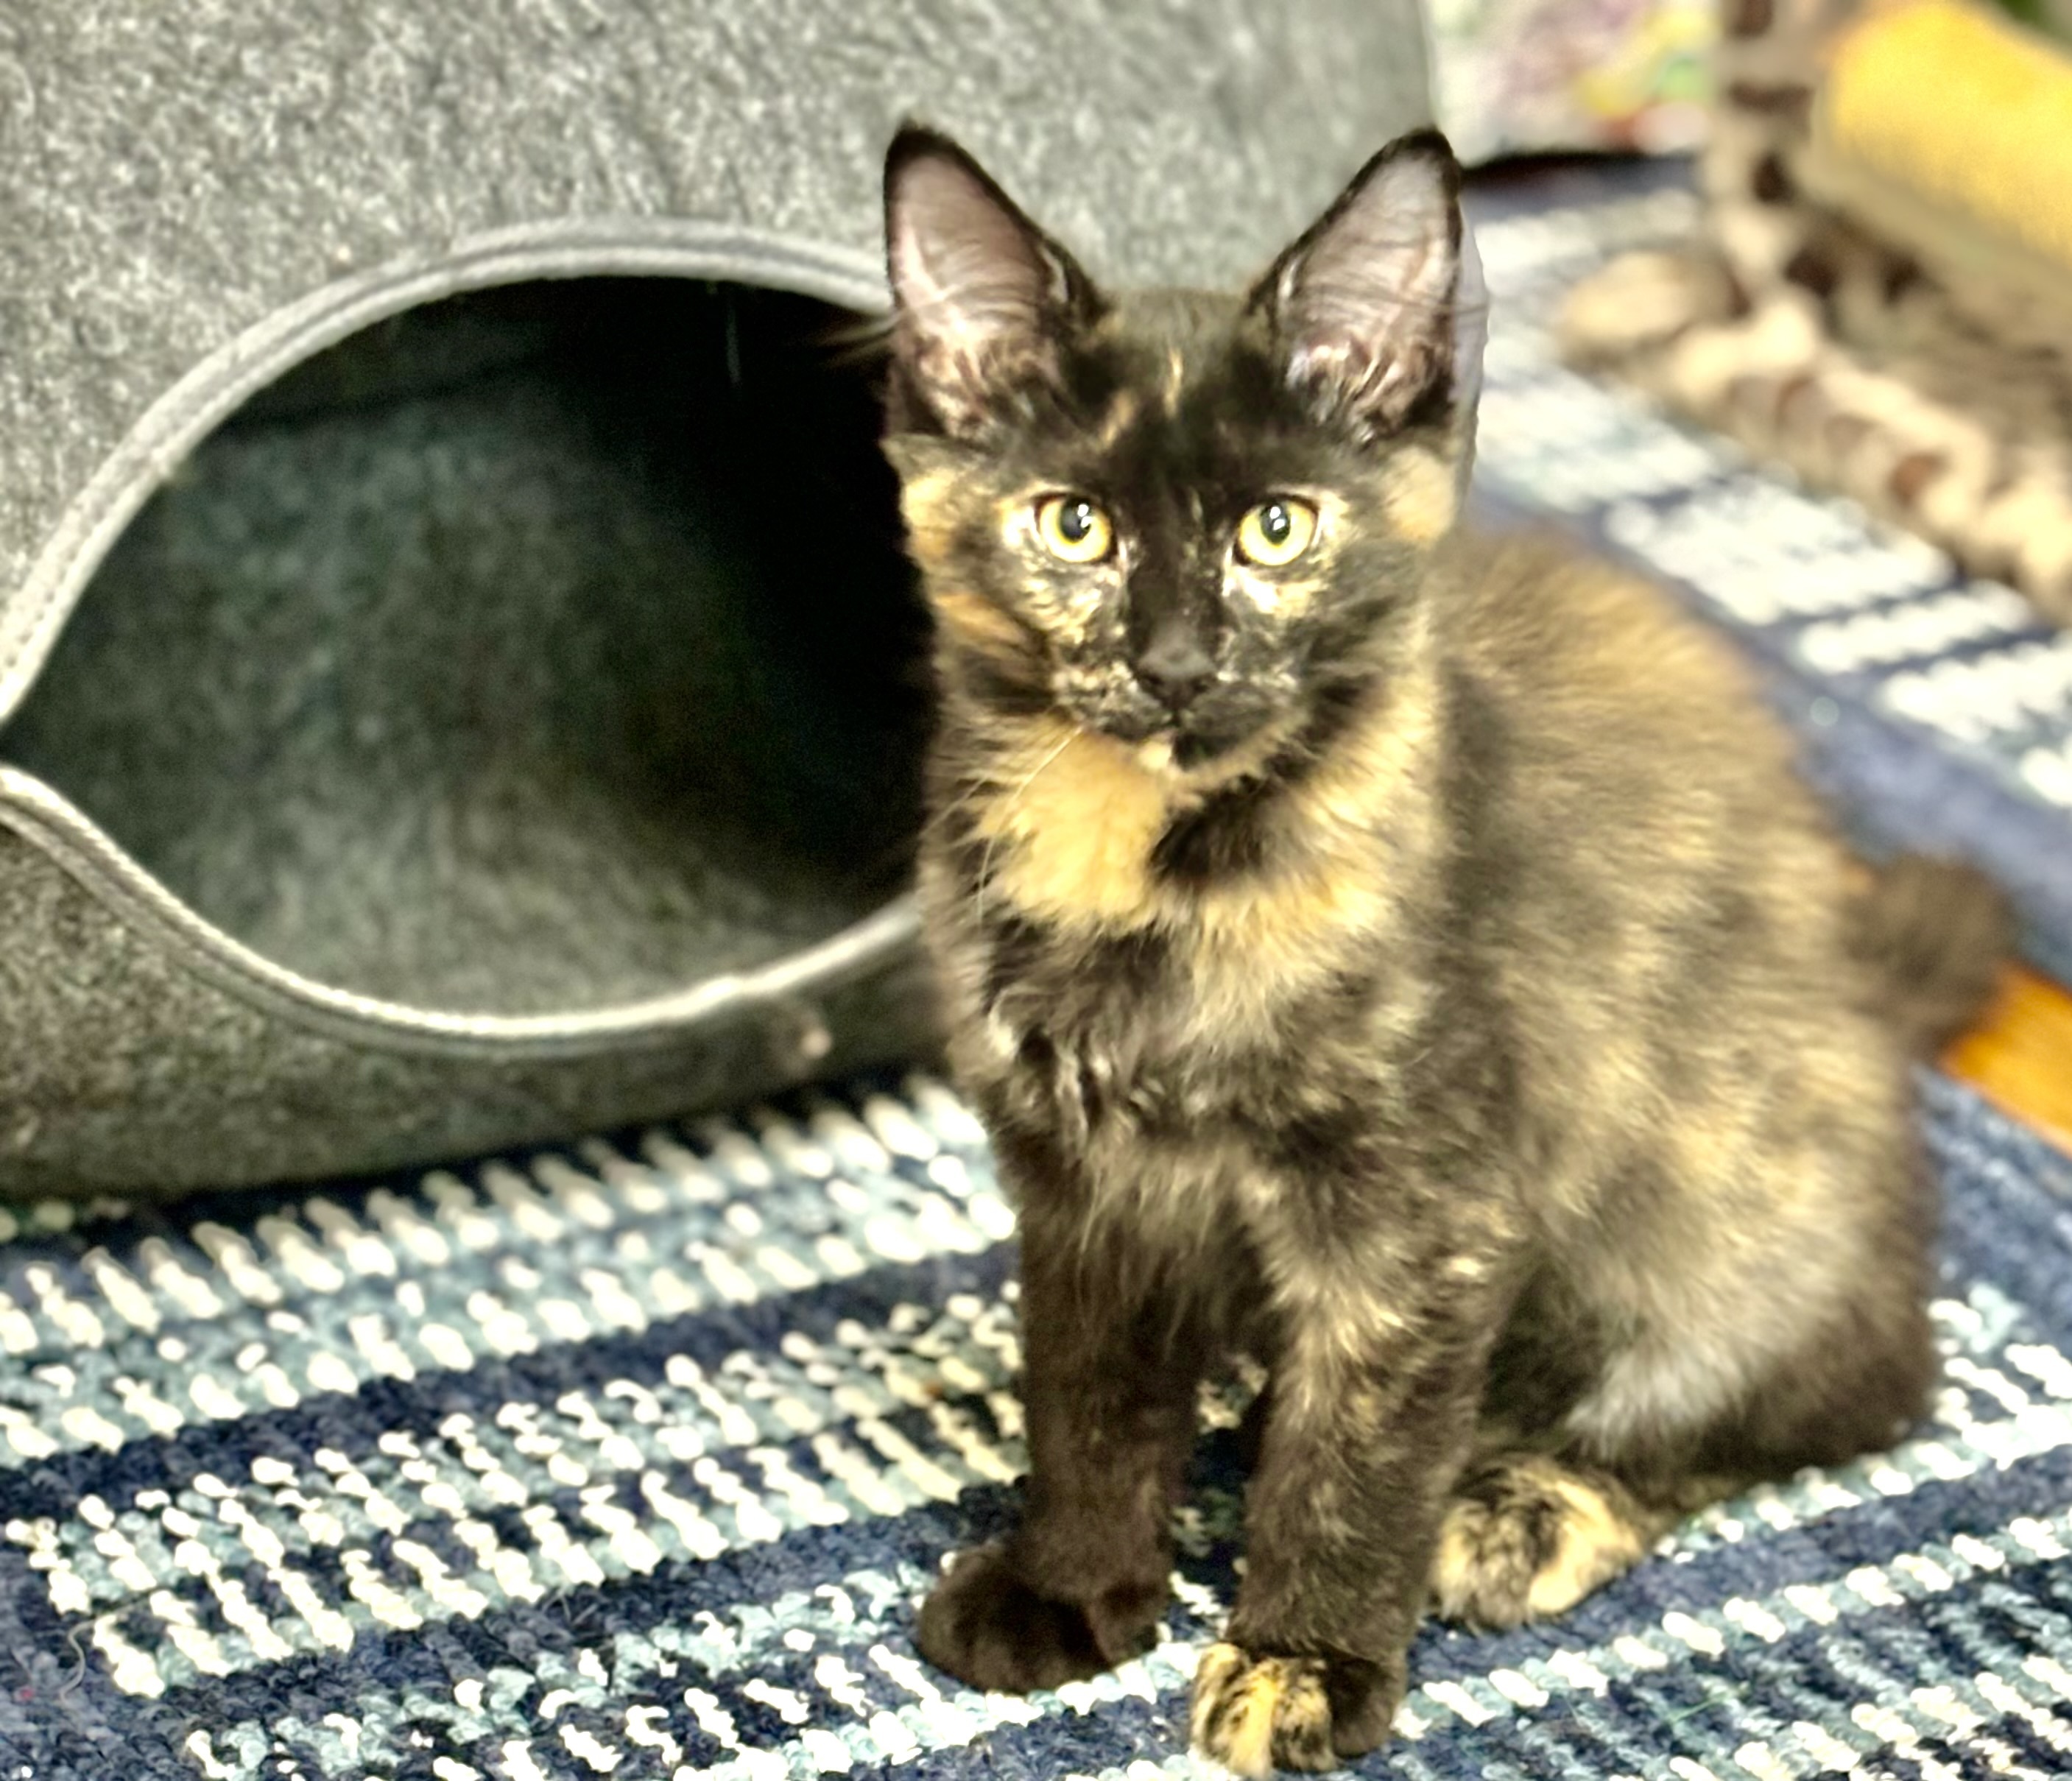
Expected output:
(1174, 669)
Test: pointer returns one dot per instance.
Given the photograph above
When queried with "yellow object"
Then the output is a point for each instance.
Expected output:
(1966, 109)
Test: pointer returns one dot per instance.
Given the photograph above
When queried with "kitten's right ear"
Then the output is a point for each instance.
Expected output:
(980, 295)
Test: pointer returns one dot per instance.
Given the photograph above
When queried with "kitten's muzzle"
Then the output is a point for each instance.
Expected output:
(1174, 669)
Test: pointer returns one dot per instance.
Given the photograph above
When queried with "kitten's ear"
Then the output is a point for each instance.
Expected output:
(1366, 305)
(980, 295)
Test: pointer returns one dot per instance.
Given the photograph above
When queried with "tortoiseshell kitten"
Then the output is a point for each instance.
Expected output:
(1408, 960)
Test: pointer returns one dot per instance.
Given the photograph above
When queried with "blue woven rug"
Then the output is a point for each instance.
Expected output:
(633, 1458)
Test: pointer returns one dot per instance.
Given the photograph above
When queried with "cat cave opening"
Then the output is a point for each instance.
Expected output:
(546, 648)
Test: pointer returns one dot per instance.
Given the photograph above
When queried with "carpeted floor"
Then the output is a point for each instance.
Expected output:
(633, 1458)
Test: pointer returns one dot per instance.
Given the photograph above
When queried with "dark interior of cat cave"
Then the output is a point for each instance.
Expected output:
(538, 650)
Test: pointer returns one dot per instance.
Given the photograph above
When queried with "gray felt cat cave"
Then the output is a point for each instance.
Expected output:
(457, 668)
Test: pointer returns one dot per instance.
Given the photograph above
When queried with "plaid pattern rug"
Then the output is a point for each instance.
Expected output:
(633, 1457)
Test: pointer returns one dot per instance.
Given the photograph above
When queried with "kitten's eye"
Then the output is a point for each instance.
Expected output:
(1274, 533)
(1073, 528)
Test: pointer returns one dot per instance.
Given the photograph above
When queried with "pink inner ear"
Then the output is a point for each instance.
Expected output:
(970, 281)
(1368, 307)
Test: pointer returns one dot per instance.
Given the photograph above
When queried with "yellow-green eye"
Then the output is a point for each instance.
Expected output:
(1073, 528)
(1274, 533)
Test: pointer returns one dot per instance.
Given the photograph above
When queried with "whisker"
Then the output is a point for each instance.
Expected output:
(1007, 809)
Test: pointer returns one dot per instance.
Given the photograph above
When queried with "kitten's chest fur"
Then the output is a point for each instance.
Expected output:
(1153, 982)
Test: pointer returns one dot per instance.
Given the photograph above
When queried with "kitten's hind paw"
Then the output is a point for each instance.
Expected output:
(986, 1626)
(1526, 1538)
(1256, 1713)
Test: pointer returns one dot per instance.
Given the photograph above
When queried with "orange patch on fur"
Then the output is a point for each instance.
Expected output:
(1264, 941)
(1122, 415)
(978, 621)
(1420, 497)
(1078, 828)
(1374, 772)
(925, 506)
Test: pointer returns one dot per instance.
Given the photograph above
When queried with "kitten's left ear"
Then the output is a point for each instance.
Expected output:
(1369, 306)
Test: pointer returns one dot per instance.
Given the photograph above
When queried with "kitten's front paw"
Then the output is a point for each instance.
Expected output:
(1256, 1713)
(986, 1626)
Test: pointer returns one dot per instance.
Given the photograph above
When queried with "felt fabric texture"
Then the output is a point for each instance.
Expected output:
(511, 700)
(206, 1081)
(544, 650)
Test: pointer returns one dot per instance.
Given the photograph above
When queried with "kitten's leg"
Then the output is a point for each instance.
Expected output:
(1747, 1383)
(1375, 1396)
(1110, 1368)
(1528, 1536)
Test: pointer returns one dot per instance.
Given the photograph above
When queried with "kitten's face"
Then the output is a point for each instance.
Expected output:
(1192, 524)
